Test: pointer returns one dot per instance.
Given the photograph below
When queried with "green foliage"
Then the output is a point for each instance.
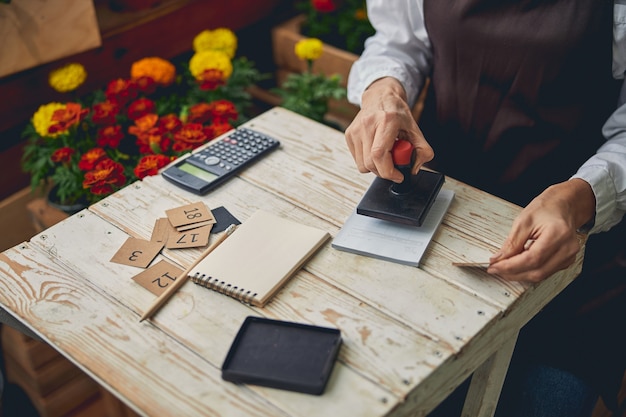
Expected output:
(308, 93)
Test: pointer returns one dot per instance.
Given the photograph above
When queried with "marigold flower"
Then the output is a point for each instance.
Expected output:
(217, 128)
(200, 113)
(67, 117)
(105, 175)
(143, 124)
(150, 165)
(221, 39)
(104, 113)
(324, 6)
(309, 49)
(210, 60)
(223, 111)
(189, 137)
(67, 78)
(169, 123)
(42, 118)
(90, 158)
(140, 107)
(62, 155)
(110, 136)
(211, 79)
(145, 85)
(160, 70)
(121, 91)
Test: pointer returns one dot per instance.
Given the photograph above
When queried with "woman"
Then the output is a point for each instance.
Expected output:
(527, 102)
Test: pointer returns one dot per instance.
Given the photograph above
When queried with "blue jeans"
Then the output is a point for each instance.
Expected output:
(532, 391)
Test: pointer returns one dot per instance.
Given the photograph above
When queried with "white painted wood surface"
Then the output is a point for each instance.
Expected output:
(410, 335)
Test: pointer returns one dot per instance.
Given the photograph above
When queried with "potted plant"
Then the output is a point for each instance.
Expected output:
(308, 93)
(88, 147)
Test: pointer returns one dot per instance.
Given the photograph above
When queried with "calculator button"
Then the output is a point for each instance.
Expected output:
(212, 160)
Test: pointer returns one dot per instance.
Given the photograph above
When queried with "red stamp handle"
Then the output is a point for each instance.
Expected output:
(402, 152)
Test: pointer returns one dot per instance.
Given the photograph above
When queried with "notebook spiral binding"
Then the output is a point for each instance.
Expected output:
(222, 287)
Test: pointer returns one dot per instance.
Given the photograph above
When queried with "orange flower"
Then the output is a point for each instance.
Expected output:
(223, 111)
(150, 165)
(140, 108)
(62, 155)
(105, 175)
(105, 112)
(189, 137)
(160, 70)
(90, 158)
(143, 124)
(110, 136)
(65, 118)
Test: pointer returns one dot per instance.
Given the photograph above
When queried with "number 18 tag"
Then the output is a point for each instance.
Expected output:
(190, 214)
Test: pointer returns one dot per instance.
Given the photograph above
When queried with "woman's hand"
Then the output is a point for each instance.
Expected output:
(549, 222)
(384, 116)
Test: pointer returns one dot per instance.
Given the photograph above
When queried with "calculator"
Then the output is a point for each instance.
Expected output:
(202, 171)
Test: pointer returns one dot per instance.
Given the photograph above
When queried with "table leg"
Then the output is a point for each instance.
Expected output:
(484, 390)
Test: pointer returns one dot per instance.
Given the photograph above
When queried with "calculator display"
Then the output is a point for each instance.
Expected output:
(206, 169)
(200, 173)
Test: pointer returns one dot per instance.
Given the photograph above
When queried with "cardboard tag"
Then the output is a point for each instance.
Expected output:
(137, 252)
(194, 225)
(158, 277)
(189, 214)
(161, 230)
(189, 239)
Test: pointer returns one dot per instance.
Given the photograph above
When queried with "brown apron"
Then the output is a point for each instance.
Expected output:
(519, 93)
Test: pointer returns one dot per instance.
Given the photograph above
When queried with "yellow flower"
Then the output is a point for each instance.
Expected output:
(42, 118)
(160, 70)
(67, 78)
(210, 60)
(221, 39)
(309, 49)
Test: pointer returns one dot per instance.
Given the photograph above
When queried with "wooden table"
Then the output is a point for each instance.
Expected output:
(410, 335)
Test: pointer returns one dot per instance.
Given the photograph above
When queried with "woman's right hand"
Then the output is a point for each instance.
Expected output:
(385, 116)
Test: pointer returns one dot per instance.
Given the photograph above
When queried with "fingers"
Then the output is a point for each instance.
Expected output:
(370, 139)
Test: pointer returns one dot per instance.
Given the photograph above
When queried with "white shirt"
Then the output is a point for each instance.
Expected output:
(401, 49)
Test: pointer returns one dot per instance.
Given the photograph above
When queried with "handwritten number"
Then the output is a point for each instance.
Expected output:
(158, 282)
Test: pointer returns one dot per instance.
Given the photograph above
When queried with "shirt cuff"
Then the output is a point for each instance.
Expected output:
(600, 181)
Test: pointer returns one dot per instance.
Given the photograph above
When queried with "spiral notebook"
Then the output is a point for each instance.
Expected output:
(254, 262)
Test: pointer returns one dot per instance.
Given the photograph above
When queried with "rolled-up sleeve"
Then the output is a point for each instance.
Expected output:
(400, 49)
(606, 170)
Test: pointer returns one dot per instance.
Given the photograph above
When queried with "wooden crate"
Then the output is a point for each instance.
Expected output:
(54, 385)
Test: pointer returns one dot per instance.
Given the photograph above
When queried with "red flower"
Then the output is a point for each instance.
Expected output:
(104, 113)
(154, 142)
(200, 113)
(121, 91)
(217, 129)
(140, 107)
(169, 123)
(223, 111)
(65, 118)
(62, 155)
(324, 6)
(90, 158)
(189, 137)
(145, 85)
(105, 175)
(211, 79)
(143, 124)
(150, 165)
(110, 136)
